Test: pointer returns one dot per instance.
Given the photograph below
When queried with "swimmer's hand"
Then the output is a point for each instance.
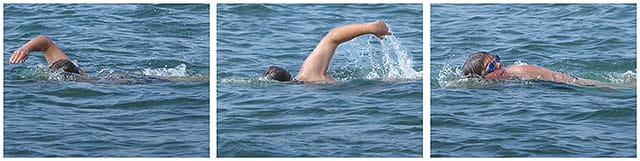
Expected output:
(20, 55)
(41, 43)
(379, 28)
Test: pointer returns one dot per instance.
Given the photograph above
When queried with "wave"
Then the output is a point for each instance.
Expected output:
(605, 114)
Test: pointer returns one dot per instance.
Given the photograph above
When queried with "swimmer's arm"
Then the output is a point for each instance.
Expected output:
(317, 63)
(541, 73)
(345, 33)
(41, 43)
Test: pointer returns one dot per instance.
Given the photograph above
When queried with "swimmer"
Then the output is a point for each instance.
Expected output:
(54, 56)
(314, 68)
(486, 65)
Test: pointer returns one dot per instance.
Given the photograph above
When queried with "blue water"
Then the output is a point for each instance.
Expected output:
(149, 96)
(481, 118)
(375, 109)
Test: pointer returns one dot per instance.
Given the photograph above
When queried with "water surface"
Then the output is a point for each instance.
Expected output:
(149, 93)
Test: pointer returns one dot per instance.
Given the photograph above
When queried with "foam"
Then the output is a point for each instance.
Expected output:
(178, 71)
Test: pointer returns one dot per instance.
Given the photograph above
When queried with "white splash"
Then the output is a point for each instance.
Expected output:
(448, 76)
(519, 63)
(387, 60)
(178, 71)
(397, 60)
(622, 78)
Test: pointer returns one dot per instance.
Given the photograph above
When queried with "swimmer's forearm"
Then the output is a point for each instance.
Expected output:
(345, 33)
(40, 43)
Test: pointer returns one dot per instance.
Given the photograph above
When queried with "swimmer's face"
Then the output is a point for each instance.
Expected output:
(493, 66)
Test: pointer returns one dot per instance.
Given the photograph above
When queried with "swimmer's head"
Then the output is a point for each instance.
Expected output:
(67, 66)
(277, 73)
(475, 64)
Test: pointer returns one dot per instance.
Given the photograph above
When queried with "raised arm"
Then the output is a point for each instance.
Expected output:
(314, 68)
(41, 43)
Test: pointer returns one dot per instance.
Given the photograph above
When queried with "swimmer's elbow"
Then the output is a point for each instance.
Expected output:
(332, 37)
(43, 37)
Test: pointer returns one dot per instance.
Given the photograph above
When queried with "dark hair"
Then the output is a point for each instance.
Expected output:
(65, 65)
(277, 73)
(474, 66)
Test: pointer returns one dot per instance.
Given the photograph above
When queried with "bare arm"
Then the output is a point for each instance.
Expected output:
(541, 73)
(315, 67)
(41, 43)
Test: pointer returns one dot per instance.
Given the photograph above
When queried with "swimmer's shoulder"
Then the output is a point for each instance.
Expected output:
(520, 71)
(518, 68)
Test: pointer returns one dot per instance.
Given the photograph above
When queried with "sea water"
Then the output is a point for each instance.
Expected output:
(375, 109)
(488, 118)
(148, 90)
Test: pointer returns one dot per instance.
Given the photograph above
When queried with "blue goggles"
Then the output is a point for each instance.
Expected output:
(492, 66)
